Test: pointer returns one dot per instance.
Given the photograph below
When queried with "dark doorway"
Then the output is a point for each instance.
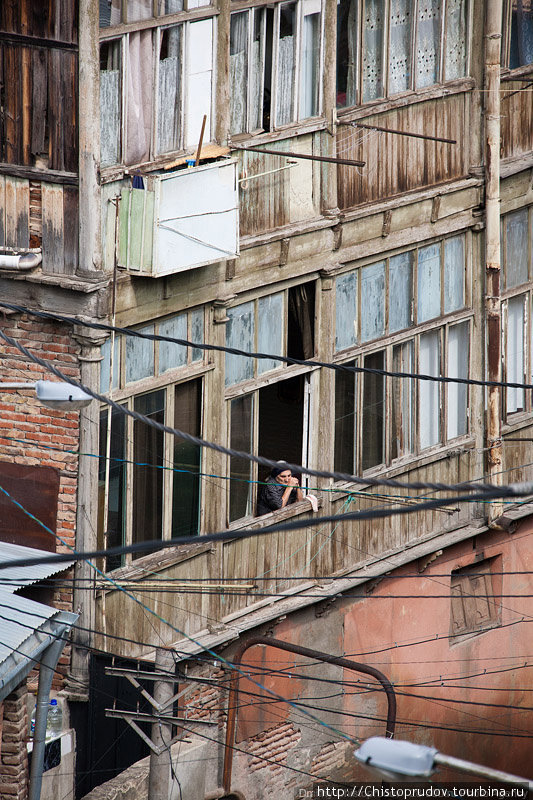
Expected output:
(281, 415)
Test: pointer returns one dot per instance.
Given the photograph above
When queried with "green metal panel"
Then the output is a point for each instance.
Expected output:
(136, 221)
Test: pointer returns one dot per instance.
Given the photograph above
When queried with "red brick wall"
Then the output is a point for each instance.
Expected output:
(14, 756)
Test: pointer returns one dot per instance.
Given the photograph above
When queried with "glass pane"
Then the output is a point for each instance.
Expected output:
(186, 483)
(454, 274)
(140, 96)
(169, 6)
(372, 301)
(521, 52)
(173, 355)
(270, 324)
(147, 498)
(428, 42)
(240, 334)
(429, 391)
(257, 70)
(110, 103)
(401, 291)
(402, 401)
(116, 515)
(514, 355)
(346, 53)
(516, 247)
(139, 9)
(238, 60)
(401, 23)
(310, 66)
(139, 356)
(345, 310)
(110, 12)
(455, 49)
(373, 411)
(345, 420)
(169, 86)
(457, 367)
(373, 27)
(428, 283)
(240, 504)
(105, 365)
(286, 64)
(197, 333)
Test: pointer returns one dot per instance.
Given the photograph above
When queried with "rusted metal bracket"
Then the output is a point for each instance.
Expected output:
(347, 663)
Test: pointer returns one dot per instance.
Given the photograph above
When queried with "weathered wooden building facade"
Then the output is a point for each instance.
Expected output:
(389, 265)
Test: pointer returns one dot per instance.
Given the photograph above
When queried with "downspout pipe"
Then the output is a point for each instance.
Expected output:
(493, 38)
(46, 673)
(316, 655)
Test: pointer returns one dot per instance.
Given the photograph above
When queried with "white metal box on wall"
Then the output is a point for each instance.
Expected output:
(180, 220)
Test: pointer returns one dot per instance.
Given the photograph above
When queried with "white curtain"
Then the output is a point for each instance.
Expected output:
(428, 41)
(400, 46)
(139, 100)
(373, 50)
(168, 137)
(285, 80)
(429, 391)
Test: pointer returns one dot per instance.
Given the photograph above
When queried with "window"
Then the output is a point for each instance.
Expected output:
(151, 488)
(517, 41)
(475, 597)
(275, 58)
(113, 12)
(274, 422)
(280, 323)
(137, 124)
(386, 47)
(517, 269)
(401, 291)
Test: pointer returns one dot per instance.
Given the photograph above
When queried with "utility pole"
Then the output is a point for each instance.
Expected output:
(159, 776)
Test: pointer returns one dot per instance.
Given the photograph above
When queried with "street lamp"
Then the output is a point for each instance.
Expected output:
(398, 760)
(55, 394)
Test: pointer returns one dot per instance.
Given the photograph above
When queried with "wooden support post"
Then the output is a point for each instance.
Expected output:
(159, 783)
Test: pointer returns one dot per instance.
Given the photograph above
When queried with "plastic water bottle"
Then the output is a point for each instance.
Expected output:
(32, 720)
(54, 720)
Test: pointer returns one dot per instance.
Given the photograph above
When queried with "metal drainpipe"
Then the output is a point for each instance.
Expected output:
(46, 674)
(301, 651)
(493, 36)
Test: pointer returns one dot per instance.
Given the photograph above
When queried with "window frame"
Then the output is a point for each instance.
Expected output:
(413, 90)
(273, 47)
(506, 43)
(157, 25)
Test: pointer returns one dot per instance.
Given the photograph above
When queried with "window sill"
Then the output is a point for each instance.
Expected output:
(293, 229)
(300, 128)
(519, 72)
(516, 421)
(347, 115)
(407, 464)
(275, 517)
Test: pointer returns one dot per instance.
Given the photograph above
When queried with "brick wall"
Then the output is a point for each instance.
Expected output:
(13, 753)
(33, 435)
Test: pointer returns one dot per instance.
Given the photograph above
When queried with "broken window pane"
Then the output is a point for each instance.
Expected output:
(240, 334)
(429, 391)
(514, 353)
(241, 439)
(428, 282)
(310, 65)
(455, 48)
(345, 310)
(270, 324)
(139, 356)
(454, 274)
(110, 103)
(402, 401)
(345, 420)
(400, 46)
(373, 440)
(186, 482)
(286, 64)
(173, 355)
(346, 53)
(147, 470)
(457, 362)
(373, 27)
(238, 71)
(401, 291)
(521, 52)
(169, 85)
(516, 255)
(428, 42)
(373, 301)
(301, 321)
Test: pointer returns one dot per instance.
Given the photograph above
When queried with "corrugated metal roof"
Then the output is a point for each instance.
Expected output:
(16, 578)
(27, 628)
